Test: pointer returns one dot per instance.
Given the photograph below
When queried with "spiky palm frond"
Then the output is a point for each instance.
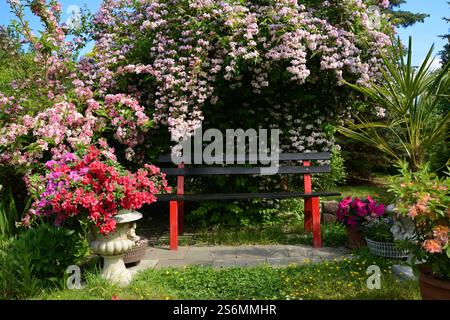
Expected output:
(412, 97)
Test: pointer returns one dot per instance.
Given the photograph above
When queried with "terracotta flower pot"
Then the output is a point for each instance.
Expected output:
(433, 288)
(355, 239)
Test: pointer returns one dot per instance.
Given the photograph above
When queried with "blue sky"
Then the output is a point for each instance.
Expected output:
(424, 34)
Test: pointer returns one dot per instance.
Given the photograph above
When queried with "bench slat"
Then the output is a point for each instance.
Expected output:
(241, 170)
(241, 196)
(283, 157)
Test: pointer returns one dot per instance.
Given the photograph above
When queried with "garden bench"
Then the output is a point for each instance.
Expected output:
(312, 210)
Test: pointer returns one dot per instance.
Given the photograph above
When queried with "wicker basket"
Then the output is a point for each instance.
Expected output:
(386, 249)
(136, 254)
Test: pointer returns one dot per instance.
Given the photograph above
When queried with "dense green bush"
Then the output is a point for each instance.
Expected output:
(440, 157)
(11, 212)
(37, 259)
(338, 174)
(247, 213)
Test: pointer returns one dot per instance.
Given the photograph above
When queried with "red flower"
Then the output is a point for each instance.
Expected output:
(92, 188)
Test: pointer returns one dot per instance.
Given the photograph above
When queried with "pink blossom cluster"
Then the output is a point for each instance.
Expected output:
(52, 54)
(128, 121)
(9, 105)
(440, 240)
(65, 126)
(54, 129)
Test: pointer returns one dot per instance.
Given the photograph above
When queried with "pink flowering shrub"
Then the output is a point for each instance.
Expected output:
(92, 186)
(160, 69)
(51, 111)
(355, 212)
(425, 198)
(47, 59)
(64, 126)
(49, 115)
(179, 56)
(164, 63)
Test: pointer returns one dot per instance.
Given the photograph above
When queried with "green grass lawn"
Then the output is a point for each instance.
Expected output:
(332, 280)
(377, 192)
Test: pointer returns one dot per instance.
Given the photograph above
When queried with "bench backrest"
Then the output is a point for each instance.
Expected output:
(292, 159)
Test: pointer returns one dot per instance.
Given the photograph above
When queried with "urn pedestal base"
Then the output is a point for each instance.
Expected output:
(114, 270)
(114, 246)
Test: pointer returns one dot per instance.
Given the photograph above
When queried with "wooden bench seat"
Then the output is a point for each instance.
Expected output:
(291, 165)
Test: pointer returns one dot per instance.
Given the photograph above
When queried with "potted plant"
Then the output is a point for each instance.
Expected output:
(424, 198)
(352, 213)
(92, 187)
(380, 240)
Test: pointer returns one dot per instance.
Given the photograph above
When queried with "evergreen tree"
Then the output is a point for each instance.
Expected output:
(445, 54)
(401, 18)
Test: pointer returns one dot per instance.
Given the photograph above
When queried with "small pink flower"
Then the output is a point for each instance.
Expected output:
(432, 246)
(421, 208)
(441, 233)
(424, 199)
(412, 212)
(384, 4)
(379, 210)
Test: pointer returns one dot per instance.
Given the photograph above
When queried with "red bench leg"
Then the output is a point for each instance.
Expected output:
(173, 225)
(180, 217)
(180, 191)
(317, 238)
(308, 215)
(307, 185)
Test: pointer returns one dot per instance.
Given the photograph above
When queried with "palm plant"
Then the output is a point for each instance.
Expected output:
(412, 98)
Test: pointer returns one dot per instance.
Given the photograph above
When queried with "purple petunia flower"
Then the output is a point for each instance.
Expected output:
(69, 157)
(74, 176)
(50, 164)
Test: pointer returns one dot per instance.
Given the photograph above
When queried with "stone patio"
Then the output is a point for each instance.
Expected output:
(241, 256)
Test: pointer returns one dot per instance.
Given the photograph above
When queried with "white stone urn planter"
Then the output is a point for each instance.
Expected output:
(113, 246)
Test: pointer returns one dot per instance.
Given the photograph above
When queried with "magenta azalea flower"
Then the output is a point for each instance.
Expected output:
(353, 212)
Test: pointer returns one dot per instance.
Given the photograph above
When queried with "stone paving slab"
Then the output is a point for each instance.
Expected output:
(242, 256)
(165, 254)
(143, 265)
(263, 251)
